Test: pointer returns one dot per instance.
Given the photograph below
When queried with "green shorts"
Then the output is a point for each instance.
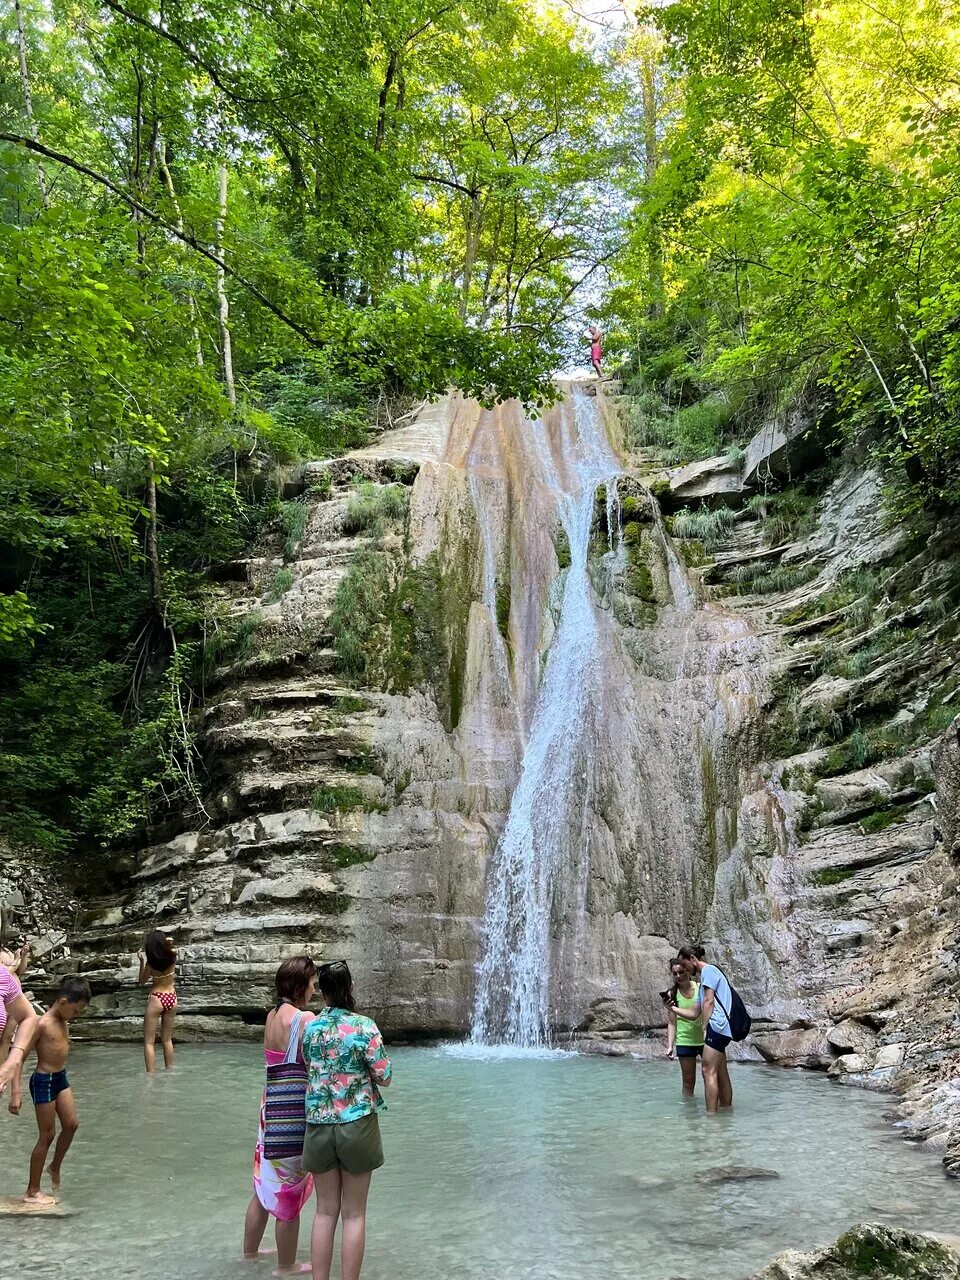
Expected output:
(354, 1146)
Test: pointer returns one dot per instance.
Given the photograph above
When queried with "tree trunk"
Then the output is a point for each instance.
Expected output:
(172, 193)
(648, 73)
(382, 101)
(28, 100)
(225, 343)
(153, 554)
(472, 238)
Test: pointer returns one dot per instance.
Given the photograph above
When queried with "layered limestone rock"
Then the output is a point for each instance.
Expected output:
(765, 769)
(860, 790)
(356, 817)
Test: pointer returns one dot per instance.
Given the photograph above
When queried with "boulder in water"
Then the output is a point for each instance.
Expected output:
(870, 1252)
(734, 1173)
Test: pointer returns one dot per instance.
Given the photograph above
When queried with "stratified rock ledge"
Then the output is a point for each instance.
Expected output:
(870, 1252)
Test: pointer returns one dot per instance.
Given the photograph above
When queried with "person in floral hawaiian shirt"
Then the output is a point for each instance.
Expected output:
(346, 1069)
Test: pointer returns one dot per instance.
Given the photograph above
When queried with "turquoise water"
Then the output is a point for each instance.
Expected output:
(504, 1169)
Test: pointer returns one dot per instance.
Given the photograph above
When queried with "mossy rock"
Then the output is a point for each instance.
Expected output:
(347, 855)
(636, 509)
(632, 534)
(884, 818)
(832, 875)
(870, 1252)
(639, 582)
(562, 547)
(693, 553)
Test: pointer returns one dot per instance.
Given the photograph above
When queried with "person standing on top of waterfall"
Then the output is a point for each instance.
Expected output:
(595, 338)
(714, 1000)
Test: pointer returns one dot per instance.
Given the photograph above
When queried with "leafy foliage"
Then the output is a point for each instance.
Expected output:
(797, 237)
(230, 240)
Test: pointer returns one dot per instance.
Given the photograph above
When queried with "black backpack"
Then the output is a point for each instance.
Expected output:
(740, 1021)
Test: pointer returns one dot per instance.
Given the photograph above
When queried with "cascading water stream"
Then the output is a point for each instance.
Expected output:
(542, 845)
(684, 596)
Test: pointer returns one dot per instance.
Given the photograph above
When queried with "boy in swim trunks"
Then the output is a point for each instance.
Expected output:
(50, 1088)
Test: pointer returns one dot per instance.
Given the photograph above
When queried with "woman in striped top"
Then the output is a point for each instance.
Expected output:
(281, 1187)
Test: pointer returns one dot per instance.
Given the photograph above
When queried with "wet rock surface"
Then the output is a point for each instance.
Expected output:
(870, 1252)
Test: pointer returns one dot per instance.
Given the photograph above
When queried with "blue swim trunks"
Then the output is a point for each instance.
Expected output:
(46, 1086)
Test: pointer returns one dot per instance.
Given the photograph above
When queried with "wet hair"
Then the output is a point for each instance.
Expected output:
(336, 982)
(293, 978)
(74, 991)
(691, 953)
(160, 951)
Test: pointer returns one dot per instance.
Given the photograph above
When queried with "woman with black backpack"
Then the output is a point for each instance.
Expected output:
(716, 1000)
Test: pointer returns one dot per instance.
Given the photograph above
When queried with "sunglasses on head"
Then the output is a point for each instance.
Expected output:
(332, 966)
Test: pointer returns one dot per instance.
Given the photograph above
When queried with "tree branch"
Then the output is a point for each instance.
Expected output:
(183, 236)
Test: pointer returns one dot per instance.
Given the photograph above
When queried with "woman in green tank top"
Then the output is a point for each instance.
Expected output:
(684, 1035)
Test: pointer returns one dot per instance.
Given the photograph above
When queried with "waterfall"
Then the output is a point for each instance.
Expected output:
(684, 596)
(543, 846)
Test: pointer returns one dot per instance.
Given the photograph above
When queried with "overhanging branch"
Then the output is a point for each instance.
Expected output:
(184, 237)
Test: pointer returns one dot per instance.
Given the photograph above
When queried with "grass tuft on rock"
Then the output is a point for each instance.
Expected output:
(375, 508)
(293, 516)
(705, 525)
(282, 583)
(337, 799)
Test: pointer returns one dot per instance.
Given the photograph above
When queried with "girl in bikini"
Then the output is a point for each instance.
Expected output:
(157, 963)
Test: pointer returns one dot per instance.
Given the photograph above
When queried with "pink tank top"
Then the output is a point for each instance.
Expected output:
(10, 988)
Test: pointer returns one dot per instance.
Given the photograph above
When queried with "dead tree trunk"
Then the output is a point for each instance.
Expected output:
(172, 193)
(225, 343)
(28, 99)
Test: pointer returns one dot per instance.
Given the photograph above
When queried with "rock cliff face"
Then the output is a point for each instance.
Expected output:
(769, 765)
(357, 817)
(860, 794)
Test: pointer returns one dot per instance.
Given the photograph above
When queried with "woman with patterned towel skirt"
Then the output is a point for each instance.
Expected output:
(281, 1187)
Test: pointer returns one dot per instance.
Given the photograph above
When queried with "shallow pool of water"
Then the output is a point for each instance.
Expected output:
(502, 1169)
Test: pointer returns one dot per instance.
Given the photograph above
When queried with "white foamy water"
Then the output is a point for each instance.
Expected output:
(543, 842)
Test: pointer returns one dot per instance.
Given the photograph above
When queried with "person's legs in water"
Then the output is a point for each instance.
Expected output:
(712, 1058)
(724, 1085)
(166, 1036)
(254, 1225)
(688, 1074)
(47, 1124)
(287, 1235)
(353, 1223)
(151, 1020)
(327, 1186)
(67, 1115)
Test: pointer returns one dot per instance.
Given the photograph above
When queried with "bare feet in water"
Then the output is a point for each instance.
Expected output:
(298, 1269)
(54, 1177)
(39, 1197)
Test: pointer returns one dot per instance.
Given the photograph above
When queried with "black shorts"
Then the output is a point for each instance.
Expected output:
(716, 1041)
(689, 1050)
